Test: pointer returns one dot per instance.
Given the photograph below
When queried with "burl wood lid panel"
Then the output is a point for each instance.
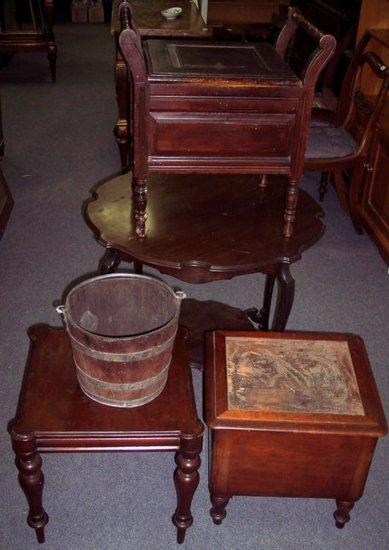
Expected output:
(302, 376)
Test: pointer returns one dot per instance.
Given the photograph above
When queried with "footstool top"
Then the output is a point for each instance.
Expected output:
(322, 382)
(53, 407)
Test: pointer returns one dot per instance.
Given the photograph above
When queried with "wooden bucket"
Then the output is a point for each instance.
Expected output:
(122, 328)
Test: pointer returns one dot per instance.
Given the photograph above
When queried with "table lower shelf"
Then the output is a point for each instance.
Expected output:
(200, 317)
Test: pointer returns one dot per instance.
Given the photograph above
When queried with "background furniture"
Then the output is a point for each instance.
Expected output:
(371, 204)
(261, 108)
(68, 421)
(301, 408)
(36, 36)
(6, 202)
(235, 230)
(251, 20)
(151, 24)
(339, 18)
(332, 149)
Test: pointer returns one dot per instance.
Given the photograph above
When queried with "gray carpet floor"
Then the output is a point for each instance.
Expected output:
(59, 145)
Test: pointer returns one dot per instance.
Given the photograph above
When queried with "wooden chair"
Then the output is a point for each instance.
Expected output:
(322, 113)
(341, 141)
(219, 108)
(40, 37)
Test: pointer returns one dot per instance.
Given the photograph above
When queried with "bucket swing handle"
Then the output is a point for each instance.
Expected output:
(180, 294)
(61, 310)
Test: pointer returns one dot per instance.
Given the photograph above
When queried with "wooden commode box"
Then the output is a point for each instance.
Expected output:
(291, 414)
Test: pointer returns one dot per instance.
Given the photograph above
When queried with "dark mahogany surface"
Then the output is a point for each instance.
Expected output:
(219, 226)
(66, 410)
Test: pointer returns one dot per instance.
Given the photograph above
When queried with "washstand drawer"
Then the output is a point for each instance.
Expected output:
(223, 134)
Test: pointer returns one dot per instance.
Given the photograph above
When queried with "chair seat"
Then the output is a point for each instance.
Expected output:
(329, 142)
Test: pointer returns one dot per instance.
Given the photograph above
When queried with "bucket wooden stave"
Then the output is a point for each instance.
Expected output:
(122, 329)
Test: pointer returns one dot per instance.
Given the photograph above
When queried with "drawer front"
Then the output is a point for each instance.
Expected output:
(193, 104)
(221, 135)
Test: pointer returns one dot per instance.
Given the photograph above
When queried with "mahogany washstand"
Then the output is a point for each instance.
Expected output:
(208, 228)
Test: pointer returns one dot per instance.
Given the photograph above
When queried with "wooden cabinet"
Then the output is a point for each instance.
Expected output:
(374, 208)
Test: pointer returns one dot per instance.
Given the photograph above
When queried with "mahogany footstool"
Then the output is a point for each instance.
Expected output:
(290, 414)
(53, 415)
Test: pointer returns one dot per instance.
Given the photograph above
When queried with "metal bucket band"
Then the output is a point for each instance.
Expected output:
(123, 404)
(124, 387)
(122, 357)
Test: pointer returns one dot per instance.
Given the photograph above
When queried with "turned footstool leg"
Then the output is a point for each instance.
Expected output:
(218, 510)
(186, 480)
(29, 462)
(341, 513)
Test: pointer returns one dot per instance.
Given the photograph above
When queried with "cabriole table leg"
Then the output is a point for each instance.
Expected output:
(285, 297)
(261, 317)
(110, 262)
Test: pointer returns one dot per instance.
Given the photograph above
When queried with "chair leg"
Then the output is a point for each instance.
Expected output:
(340, 188)
(324, 179)
(354, 196)
(52, 57)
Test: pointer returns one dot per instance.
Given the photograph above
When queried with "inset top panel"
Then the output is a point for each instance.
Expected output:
(259, 61)
(303, 376)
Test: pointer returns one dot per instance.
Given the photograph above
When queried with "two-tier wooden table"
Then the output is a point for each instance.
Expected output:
(151, 24)
(208, 228)
(53, 415)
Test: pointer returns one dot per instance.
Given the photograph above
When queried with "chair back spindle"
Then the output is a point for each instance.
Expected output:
(131, 44)
(318, 58)
(131, 47)
(363, 112)
(346, 92)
